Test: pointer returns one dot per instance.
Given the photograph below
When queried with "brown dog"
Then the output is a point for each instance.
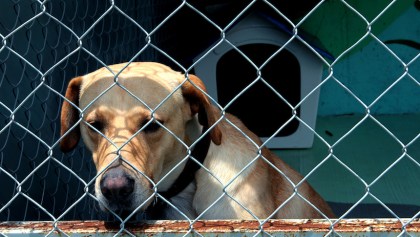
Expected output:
(138, 126)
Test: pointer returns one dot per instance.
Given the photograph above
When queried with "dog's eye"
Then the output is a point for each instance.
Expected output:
(98, 125)
(150, 127)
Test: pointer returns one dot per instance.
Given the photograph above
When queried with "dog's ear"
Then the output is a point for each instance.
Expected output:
(199, 103)
(70, 115)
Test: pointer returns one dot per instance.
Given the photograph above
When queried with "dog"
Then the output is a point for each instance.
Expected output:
(139, 121)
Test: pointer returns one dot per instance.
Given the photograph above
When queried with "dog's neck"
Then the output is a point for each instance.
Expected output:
(197, 156)
(193, 131)
(199, 144)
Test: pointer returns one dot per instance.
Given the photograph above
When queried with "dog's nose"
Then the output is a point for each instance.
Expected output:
(116, 185)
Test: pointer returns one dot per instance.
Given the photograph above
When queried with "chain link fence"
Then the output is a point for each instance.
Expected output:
(46, 43)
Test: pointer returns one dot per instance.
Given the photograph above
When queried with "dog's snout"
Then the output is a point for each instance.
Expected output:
(116, 185)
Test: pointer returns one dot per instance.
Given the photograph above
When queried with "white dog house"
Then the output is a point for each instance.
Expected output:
(294, 73)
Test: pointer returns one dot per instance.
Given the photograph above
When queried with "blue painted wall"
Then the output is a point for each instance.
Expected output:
(370, 71)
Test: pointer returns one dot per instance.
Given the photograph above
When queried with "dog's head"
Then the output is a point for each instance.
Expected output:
(135, 126)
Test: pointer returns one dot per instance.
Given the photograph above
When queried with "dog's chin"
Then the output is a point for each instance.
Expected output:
(123, 209)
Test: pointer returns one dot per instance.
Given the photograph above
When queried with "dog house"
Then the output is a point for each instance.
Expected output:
(290, 75)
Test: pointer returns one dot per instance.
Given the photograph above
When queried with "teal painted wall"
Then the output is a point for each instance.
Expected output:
(370, 71)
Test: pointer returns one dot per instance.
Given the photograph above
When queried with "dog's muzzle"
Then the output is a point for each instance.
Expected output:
(118, 189)
(116, 185)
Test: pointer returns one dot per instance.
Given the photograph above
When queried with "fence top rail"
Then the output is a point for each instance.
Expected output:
(213, 227)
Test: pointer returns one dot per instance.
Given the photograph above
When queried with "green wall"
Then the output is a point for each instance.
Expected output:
(370, 70)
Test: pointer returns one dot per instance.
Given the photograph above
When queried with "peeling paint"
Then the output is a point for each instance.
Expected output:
(213, 228)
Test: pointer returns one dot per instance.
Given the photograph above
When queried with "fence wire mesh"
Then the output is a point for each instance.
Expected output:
(46, 43)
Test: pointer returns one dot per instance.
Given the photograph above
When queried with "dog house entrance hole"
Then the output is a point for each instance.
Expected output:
(260, 108)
